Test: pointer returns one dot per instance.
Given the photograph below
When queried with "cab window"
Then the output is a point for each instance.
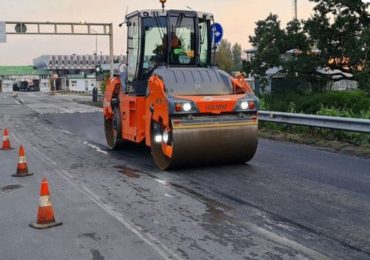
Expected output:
(204, 41)
(155, 31)
(182, 40)
(133, 47)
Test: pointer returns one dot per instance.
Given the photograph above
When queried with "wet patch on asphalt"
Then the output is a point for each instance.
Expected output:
(129, 172)
(10, 188)
(75, 166)
(215, 212)
(96, 255)
(91, 235)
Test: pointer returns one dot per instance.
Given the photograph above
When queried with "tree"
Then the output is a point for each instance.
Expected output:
(302, 62)
(237, 57)
(224, 57)
(340, 28)
(295, 37)
(269, 41)
(272, 42)
(247, 67)
(104, 82)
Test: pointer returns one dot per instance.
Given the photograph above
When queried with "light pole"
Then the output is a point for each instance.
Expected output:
(96, 43)
(295, 9)
(96, 55)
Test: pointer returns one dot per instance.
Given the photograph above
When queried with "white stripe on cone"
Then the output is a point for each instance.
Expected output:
(45, 201)
(22, 159)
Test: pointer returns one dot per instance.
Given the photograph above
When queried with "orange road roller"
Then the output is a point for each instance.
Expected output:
(172, 97)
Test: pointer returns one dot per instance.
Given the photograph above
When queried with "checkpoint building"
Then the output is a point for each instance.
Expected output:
(59, 72)
(75, 72)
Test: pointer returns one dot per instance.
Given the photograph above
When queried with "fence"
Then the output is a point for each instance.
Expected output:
(338, 123)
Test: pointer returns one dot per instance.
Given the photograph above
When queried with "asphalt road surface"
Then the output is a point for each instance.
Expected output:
(290, 202)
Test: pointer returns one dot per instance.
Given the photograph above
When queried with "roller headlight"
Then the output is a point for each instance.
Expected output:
(244, 105)
(158, 138)
(165, 136)
(186, 107)
(181, 106)
(247, 104)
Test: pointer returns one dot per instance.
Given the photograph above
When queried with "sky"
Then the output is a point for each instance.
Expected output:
(238, 18)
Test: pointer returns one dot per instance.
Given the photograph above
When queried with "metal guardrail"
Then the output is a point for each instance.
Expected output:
(338, 123)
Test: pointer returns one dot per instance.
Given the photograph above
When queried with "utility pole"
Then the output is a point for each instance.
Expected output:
(295, 9)
(111, 48)
(96, 41)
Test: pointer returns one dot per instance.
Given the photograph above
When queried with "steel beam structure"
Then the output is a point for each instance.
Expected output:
(63, 28)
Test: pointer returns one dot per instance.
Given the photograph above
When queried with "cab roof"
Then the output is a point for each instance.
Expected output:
(160, 12)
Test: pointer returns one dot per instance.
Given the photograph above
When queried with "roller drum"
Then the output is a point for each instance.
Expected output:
(209, 145)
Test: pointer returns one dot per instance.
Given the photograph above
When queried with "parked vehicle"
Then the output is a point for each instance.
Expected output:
(33, 86)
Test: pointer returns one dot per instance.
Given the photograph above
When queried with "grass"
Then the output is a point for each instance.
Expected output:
(354, 104)
(320, 143)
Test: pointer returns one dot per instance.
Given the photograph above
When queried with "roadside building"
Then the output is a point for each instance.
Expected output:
(76, 72)
(324, 78)
(58, 72)
(249, 54)
(80, 83)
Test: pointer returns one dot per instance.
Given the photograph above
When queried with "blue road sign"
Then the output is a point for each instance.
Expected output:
(217, 32)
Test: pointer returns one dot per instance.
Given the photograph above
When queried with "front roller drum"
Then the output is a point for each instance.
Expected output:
(207, 146)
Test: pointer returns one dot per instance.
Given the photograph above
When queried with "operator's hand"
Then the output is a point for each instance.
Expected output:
(107, 110)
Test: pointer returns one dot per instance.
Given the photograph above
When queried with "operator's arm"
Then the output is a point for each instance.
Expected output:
(111, 91)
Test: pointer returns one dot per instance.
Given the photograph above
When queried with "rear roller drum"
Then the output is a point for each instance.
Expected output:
(161, 160)
(113, 129)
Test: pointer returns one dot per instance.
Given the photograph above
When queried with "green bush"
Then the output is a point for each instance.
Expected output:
(335, 103)
(104, 82)
(354, 104)
(363, 78)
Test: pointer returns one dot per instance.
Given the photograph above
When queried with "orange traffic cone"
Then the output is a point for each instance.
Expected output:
(45, 213)
(6, 142)
(22, 169)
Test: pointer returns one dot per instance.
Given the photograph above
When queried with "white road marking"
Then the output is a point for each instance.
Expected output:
(64, 131)
(161, 181)
(95, 147)
(35, 152)
(283, 241)
(15, 101)
(161, 249)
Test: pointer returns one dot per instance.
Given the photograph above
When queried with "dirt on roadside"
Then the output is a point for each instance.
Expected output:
(362, 150)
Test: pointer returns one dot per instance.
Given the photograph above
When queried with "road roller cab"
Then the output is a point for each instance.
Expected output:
(174, 99)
